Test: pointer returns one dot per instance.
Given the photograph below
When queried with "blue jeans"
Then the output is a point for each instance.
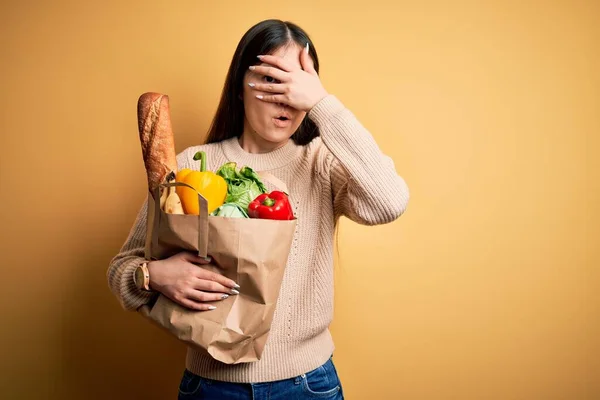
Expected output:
(320, 383)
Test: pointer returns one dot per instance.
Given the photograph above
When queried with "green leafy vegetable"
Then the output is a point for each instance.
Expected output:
(249, 173)
(230, 210)
(243, 186)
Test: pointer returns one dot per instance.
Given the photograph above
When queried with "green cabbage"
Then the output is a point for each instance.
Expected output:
(230, 210)
(243, 186)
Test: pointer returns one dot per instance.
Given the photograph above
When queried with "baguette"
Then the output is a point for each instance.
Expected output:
(156, 137)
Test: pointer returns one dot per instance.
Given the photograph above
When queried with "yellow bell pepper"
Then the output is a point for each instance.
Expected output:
(210, 185)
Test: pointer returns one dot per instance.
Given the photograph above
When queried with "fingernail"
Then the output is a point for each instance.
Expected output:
(233, 291)
(236, 286)
(259, 57)
(307, 45)
(252, 67)
(225, 296)
(211, 307)
(251, 84)
(259, 96)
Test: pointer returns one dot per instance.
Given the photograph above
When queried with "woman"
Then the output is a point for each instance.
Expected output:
(276, 116)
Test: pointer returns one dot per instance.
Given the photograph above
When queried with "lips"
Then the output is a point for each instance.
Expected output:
(282, 122)
(282, 119)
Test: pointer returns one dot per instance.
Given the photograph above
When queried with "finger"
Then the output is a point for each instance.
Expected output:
(270, 71)
(269, 87)
(277, 62)
(185, 301)
(306, 61)
(196, 259)
(212, 286)
(200, 296)
(206, 275)
(194, 305)
(277, 98)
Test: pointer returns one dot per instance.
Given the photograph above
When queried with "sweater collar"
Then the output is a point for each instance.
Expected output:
(263, 161)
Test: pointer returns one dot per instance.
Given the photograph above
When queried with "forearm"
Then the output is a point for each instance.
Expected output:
(363, 177)
(122, 266)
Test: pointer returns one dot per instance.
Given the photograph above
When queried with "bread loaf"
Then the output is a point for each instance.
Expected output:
(156, 137)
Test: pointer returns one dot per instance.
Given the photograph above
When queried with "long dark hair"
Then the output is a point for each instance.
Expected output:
(263, 38)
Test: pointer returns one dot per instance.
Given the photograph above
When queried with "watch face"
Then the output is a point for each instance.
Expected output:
(138, 277)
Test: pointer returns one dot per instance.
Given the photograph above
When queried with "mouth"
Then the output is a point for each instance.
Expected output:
(282, 120)
(283, 116)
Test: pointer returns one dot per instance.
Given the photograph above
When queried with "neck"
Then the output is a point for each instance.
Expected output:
(252, 143)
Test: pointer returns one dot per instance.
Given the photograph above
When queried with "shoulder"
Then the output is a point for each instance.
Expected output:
(319, 156)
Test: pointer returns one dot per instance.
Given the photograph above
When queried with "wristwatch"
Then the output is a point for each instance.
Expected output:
(141, 277)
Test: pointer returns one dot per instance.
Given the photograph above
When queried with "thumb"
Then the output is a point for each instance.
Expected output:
(306, 61)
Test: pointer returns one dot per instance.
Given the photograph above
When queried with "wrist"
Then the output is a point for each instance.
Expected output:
(321, 96)
(152, 272)
(141, 277)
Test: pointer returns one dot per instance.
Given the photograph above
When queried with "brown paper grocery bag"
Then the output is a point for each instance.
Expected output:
(252, 252)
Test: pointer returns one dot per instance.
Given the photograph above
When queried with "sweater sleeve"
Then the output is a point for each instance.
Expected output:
(365, 185)
(131, 255)
(122, 266)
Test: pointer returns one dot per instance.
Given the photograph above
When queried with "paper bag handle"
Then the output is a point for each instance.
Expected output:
(202, 218)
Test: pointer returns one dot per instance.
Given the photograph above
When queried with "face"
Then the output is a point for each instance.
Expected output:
(266, 122)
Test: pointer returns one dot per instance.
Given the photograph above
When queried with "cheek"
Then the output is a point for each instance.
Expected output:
(299, 120)
(253, 107)
(249, 94)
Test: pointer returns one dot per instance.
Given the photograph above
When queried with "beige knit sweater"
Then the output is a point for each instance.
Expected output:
(341, 173)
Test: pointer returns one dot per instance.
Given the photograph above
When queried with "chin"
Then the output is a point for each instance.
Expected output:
(276, 136)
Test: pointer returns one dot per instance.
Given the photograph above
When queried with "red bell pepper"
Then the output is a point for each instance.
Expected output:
(274, 205)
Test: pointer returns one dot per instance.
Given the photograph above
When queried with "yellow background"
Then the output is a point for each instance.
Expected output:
(487, 288)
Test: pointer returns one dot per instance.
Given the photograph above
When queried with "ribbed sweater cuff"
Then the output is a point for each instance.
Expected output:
(328, 106)
(132, 297)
